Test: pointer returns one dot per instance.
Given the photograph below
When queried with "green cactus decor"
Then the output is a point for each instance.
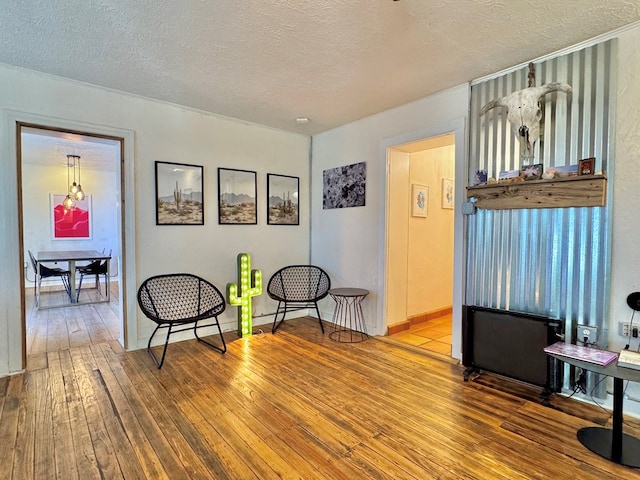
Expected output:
(250, 282)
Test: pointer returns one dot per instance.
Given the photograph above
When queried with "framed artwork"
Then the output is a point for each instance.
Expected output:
(237, 197)
(532, 172)
(419, 200)
(447, 193)
(179, 194)
(586, 166)
(282, 200)
(344, 187)
(72, 224)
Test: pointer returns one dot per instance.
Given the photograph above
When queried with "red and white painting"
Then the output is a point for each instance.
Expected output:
(70, 224)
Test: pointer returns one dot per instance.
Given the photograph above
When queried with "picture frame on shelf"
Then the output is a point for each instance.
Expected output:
(282, 199)
(447, 193)
(179, 194)
(532, 172)
(419, 200)
(70, 224)
(586, 166)
(237, 197)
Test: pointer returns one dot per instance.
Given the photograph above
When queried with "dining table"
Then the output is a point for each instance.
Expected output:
(70, 257)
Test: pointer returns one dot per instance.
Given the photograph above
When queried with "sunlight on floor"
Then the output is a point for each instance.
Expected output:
(433, 335)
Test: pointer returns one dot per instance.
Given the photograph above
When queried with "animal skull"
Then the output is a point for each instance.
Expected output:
(524, 114)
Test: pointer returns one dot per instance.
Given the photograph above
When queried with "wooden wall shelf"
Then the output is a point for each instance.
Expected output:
(581, 191)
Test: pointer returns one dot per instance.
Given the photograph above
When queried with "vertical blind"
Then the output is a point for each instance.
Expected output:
(550, 261)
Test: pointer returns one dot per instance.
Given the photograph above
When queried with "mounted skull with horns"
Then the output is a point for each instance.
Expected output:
(524, 114)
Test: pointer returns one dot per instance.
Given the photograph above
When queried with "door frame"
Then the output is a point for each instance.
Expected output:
(126, 222)
(458, 129)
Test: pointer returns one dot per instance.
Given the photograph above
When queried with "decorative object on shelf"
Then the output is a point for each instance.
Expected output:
(532, 172)
(447, 193)
(586, 166)
(510, 176)
(419, 200)
(237, 197)
(70, 223)
(524, 114)
(480, 178)
(282, 200)
(344, 187)
(179, 194)
(239, 294)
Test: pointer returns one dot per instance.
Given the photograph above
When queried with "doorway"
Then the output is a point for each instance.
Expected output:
(43, 172)
(420, 236)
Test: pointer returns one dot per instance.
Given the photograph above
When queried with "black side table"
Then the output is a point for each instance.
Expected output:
(348, 326)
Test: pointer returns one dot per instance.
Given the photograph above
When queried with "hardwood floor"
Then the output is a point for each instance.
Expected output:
(293, 405)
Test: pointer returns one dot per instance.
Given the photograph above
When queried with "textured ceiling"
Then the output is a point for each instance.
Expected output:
(270, 61)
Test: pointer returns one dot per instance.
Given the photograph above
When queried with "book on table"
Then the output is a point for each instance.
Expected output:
(629, 359)
(585, 354)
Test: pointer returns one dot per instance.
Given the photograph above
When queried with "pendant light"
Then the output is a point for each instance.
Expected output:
(68, 202)
(79, 192)
(75, 189)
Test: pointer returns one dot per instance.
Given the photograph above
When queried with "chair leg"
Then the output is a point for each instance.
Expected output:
(164, 350)
(216, 347)
(79, 287)
(277, 324)
(319, 317)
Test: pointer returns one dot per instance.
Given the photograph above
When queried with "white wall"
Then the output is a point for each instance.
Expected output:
(430, 239)
(167, 133)
(350, 243)
(625, 258)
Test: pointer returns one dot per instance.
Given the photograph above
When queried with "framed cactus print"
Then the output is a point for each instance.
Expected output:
(179, 194)
(237, 197)
(282, 200)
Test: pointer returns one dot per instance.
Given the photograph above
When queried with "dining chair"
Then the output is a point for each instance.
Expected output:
(97, 268)
(48, 272)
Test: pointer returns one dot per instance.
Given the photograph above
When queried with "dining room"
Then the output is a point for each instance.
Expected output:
(71, 240)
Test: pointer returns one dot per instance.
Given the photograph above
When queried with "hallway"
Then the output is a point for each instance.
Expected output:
(433, 335)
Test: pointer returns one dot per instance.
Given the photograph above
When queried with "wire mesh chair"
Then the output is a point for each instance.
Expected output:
(178, 302)
(297, 287)
(48, 272)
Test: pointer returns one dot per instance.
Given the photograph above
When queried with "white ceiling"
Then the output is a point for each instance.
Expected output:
(270, 61)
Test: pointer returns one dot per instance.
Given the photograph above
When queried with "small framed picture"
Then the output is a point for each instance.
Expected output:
(179, 198)
(237, 197)
(532, 172)
(419, 200)
(480, 178)
(586, 166)
(447, 193)
(282, 200)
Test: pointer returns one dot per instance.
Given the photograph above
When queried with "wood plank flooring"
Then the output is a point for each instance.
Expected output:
(294, 405)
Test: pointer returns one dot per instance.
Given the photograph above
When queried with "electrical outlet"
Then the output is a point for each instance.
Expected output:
(587, 334)
(624, 329)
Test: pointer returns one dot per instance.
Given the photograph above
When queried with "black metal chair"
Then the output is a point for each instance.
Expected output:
(178, 301)
(297, 287)
(48, 272)
(97, 268)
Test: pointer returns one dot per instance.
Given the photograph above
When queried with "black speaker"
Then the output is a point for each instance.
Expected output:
(633, 300)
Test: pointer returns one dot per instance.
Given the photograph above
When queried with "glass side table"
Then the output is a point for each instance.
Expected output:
(348, 320)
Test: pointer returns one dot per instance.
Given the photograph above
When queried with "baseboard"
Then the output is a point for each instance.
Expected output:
(417, 319)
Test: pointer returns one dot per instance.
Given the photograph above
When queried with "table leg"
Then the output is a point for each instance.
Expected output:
(72, 280)
(108, 279)
(613, 444)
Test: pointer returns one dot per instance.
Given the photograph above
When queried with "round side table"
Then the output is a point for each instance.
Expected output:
(348, 326)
